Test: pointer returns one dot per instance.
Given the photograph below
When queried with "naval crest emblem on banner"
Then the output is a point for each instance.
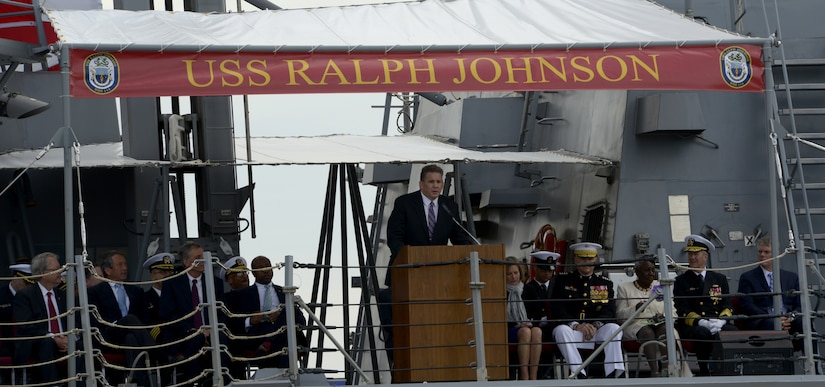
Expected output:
(101, 73)
(736, 67)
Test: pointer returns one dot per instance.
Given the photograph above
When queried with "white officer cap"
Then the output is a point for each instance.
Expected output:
(23, 270)
(698, 243)
(234, 264)
(162, 261)
(545, 260)
(586, 249)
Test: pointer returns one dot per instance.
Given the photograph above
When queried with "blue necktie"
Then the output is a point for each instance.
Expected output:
(267, 298)
(770, 281)
(120, 293)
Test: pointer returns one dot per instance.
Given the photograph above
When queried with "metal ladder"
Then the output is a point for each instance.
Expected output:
(799, 123)
(802, 82)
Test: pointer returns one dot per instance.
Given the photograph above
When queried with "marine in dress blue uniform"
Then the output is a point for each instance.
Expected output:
(585, 310)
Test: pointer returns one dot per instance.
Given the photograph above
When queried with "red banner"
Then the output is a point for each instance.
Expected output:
(145, 74)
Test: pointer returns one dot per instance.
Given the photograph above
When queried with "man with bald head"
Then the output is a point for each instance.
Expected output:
(264, 296)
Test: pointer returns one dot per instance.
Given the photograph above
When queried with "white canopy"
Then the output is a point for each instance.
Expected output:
(96, 155)
(425, 25)
(336, 149)
(333, 149)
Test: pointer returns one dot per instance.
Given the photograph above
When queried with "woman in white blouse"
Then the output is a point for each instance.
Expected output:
(650, 323)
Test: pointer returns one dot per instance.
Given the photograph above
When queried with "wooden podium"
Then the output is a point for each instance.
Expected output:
(432, 329)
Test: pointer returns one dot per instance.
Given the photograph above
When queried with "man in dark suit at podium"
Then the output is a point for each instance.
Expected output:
(424, 218)
(421, 218)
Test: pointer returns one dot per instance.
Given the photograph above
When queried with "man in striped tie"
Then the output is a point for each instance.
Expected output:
(425, 217)
(421, 218)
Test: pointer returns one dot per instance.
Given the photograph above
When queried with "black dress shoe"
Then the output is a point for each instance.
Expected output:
(615, 374)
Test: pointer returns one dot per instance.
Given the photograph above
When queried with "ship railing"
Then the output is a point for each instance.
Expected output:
(352, 367)
(666, 282)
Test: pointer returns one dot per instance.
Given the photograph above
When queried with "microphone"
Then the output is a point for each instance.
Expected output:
(457, 223)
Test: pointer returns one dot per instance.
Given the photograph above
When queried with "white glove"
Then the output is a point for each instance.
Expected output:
(705, 324)
(715, 325)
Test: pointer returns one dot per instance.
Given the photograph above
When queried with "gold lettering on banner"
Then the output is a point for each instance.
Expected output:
(262, 72)
(334, 70)
(511, 69)
(470, 71)
(561, 74)
(359, 80)
(293, 71)
(385, 63)
(622, 66)
(477, 76)
(430, 69)
(234, 73)
(191, 76)
(654, 71)
(462, 73)
(583, 68)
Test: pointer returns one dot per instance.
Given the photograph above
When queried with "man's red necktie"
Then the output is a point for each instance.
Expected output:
(196, 301)
(54, 325)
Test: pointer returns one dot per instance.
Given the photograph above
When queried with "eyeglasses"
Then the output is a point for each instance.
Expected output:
(239, 273)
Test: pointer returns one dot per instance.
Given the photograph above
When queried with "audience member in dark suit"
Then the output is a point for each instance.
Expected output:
(263, 295)
(22, 279)
(756, 281)
(124, 305)
(700, 302)
(178, 300)
(30, 305)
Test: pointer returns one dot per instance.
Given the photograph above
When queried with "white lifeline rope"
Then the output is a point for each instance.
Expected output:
(80, 208)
